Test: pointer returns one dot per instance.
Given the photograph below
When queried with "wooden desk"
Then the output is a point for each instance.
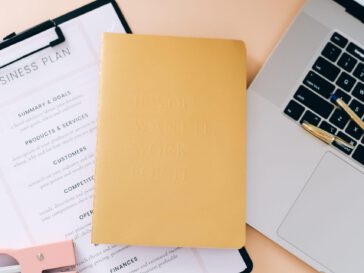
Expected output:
(259, 23)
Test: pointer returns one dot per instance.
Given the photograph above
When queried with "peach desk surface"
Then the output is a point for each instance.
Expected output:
(260, 23)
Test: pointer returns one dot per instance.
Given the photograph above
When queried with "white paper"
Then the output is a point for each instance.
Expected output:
(48, 107)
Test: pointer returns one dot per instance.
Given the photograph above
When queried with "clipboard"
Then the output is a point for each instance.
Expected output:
(14, 38)
(248, 261)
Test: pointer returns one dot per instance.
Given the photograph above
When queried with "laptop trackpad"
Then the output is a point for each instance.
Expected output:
(327, 220)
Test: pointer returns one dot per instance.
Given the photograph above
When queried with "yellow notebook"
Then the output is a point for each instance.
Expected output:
(170, 157)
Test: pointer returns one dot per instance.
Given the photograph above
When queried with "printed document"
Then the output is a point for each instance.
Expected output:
(48, 112)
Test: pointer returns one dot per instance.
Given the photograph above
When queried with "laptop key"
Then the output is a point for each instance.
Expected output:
(339, 118)
(326, 69)
(311, 118)
(348, 139)
(356, 51)
(339, 40)
(354, 130)
(343, 95)
(334, 67)
(328, 127)
(314, 102)
(358, 155)
(319, 84)
(357, 107)
(331, 51)
(359, 72)
(347, 62)
(294, 110)
(358, 92)
(345, 81)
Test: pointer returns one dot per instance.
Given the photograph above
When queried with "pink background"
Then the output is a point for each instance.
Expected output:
(259, 23)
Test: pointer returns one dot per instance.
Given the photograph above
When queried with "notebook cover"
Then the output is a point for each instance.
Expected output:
(170, 157)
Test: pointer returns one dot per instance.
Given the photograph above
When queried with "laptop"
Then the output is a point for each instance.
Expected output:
(303, 194)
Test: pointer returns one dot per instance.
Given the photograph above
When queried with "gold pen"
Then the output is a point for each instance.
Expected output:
(348, 111)
(325, 136)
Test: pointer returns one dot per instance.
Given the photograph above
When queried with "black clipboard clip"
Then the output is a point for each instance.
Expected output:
(13, 38)
(248, 261)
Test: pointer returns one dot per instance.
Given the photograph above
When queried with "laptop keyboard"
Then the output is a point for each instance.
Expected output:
(338, 70)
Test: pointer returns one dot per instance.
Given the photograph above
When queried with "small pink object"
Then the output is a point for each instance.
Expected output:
(44, 258)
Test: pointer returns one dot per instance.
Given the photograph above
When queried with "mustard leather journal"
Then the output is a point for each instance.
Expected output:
(170, 157)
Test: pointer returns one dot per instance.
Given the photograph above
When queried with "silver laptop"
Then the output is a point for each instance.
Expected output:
(303, 194)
